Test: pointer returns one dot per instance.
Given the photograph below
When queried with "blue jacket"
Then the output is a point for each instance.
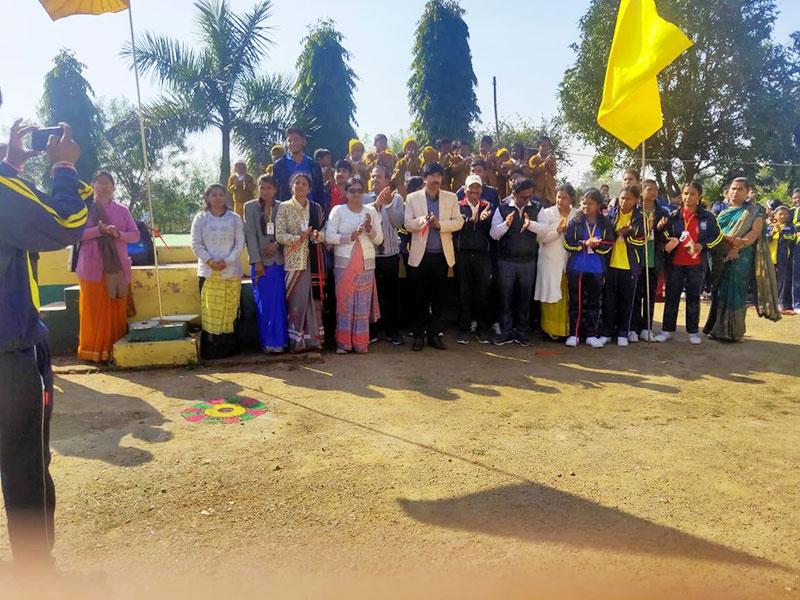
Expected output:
(580, 259)
(31, 221)
(708, 233)
(634, 240)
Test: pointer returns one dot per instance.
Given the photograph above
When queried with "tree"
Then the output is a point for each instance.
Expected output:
(441, 89)
(725, 101)
(324, 103)
(121, 151)
(529, 134)
(266, 122)
(68, 98)
(215, 82)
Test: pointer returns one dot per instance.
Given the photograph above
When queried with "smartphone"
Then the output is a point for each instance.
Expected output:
(40, 137)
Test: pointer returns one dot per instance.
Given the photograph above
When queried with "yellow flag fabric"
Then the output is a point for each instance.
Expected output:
(64, 8)
(644, 44)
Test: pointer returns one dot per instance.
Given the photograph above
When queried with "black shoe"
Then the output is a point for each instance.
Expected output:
(419, 343)
(523, 340)
(396, 339)
(436, 342)
(483, 338)
(463, 338)
(503, 339)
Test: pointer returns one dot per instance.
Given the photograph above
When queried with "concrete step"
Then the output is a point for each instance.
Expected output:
(143, 355)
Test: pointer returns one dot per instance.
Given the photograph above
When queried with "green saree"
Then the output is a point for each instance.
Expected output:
(726, 320)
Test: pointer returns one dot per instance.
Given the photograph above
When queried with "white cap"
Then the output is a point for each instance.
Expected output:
(473, 179)
(240, 161)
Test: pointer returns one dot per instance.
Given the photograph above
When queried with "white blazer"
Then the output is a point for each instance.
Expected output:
(450, 220)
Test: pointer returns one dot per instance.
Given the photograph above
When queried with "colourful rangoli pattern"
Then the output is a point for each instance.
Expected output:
(225, 410)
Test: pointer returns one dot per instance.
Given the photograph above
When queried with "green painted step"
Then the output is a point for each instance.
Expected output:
(62, 324)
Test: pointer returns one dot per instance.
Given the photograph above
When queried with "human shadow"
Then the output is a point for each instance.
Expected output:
(186, 386)
(537, 513)
(88, 423)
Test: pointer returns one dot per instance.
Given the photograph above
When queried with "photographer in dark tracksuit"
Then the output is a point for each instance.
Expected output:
(32, 222)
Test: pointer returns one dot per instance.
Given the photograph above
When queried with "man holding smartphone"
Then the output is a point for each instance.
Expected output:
(32, 222)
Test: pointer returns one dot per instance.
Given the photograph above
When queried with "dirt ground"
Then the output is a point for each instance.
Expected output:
(661, 469)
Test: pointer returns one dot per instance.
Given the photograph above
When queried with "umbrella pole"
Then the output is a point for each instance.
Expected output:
(147, 180)
(646, 256)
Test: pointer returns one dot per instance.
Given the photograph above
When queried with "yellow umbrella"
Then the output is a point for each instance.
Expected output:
(64, 8)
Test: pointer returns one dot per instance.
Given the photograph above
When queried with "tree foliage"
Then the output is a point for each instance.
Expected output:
(68, 98)
(121, 152)
(726, 101)
(324, 103)
(441, 89)
(529, 133)
(214, 82)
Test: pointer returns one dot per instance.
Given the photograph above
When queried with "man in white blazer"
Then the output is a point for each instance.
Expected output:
(432, 215)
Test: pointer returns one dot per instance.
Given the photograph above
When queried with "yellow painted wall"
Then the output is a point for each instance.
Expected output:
(130, 355)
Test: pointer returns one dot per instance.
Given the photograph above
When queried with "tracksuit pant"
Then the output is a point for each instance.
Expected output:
(618, 293)
(783, 273)
(585, 300)
(796, 277)
(26, 405)
(680, 279)
(639, 321)
(474, 270)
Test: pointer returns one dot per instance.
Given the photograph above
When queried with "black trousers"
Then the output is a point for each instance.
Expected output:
(783, 273)
(474, 270)
(387, 279)
(26, 405)
(640, 320)
(618, 293)
(680, 279)
(428, 283)
(585, 300)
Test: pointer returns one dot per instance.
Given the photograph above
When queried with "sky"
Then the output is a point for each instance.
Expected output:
(525, 45)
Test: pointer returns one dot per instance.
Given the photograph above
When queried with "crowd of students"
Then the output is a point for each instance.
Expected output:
(341, 252)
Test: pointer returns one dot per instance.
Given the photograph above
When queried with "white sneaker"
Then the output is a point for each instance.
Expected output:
(695, 339)
(622, 341)
(664, 336)
(797, 311)
(604, 339)
(572, 341)
(645, 335)
(595, 342)
(633, 337)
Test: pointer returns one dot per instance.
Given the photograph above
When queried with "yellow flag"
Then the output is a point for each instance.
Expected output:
(644, 44)
(64, 8)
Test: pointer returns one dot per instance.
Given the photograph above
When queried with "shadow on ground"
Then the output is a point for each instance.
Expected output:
(91, 424)
(537, 513)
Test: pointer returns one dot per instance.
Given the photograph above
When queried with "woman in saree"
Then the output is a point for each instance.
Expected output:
(297, 230)
(746, 261)
(551, 277)
(354, 230)
(266, 266)
(218, 242)
(104, 272)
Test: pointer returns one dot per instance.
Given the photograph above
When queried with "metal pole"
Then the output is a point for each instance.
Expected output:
(148, 185)
(646, 254)
(496, 120)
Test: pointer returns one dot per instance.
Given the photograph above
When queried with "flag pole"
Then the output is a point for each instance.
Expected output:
(646, 253)
(147, 178)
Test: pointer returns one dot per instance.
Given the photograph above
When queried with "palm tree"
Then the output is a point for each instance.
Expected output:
(215, 82)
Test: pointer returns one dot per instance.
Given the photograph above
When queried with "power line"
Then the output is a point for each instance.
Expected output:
(681, 160)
